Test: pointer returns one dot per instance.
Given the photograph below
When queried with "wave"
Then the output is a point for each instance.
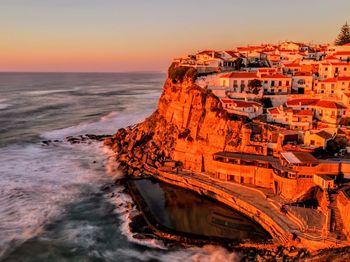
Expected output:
(35, 183)
(4, 104)
(107, 124)
(46, 92)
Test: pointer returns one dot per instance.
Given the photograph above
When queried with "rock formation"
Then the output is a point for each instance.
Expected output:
(188, 126)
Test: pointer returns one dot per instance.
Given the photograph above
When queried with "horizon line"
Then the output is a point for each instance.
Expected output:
(84, 72)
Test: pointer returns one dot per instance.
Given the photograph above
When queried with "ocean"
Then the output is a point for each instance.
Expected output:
(51, 205)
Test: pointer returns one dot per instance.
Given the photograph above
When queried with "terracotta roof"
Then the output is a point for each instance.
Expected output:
(240, 103)
(331, 57)
(324, 134)
(328, 80)
(240, 75)
(273, 111)
(342, 53)
(329, 104)
(302, 101)
(275, 76)
(292, 65)
(348, 44)
(302, 112)
(343, 78)
(347, 94)
(231, 53)
(302, 73)
(340, 64)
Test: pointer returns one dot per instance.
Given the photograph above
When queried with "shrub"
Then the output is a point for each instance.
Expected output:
(178, 73)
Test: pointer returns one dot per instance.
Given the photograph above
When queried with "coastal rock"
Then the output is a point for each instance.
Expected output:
(188, 126)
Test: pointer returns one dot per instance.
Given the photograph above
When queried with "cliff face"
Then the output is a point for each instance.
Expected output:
(189, 125)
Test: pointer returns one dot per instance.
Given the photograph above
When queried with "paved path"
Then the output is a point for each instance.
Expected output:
(250, 196)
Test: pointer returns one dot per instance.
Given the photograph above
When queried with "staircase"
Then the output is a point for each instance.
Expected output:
(336, 220)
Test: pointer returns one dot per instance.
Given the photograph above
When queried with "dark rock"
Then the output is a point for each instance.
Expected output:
(105, 188)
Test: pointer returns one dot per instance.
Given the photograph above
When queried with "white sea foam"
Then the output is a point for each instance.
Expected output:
(108, 124)
(45, 92)
(34, 183)
(4, 106)
(207, 253)
(4, 103)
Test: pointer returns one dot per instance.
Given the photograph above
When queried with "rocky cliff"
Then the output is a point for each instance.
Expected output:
(188, 126)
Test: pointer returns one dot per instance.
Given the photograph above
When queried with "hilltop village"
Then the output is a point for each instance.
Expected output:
(263, 129)
(297, 98)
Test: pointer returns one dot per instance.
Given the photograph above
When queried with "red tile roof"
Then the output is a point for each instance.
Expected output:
(348, 44)
(273, 111)
(328, 80)
(331, 57)
(342, 53)
(231, 53)
(340, 64)
(274, 76)
(302, 101)
(343, 78)
(329, 104)
(302, 112)
(240, 75)
(292, 65)
(302, 73)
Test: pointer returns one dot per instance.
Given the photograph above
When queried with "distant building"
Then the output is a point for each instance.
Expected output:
(250, 109)
(317, 139)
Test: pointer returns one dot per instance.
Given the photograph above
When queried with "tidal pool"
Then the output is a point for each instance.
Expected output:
(188, 212)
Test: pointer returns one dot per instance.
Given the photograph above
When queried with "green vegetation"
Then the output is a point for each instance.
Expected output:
(254, 86)
(266, 102)
(344, 35)
(178, 73)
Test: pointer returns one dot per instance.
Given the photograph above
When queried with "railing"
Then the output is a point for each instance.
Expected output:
(304, 222)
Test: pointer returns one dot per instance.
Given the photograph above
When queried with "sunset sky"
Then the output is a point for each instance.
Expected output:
(144, 35)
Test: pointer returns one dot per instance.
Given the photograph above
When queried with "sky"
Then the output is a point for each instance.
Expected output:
(145, 35)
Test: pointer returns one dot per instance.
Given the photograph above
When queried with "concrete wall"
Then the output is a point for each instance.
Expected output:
(291, 188)
(259, 176)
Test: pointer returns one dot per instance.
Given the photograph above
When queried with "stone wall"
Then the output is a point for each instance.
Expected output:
(343, 204)
(292, 188)
(255, 175)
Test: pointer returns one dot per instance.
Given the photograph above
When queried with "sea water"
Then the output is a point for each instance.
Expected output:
(51, 205)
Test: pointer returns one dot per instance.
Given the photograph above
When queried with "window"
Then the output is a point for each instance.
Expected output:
(312, 142)
(279, 90)
(287, 83)
(280, 83)
(272, 83)
(345, 69)
(326, 69)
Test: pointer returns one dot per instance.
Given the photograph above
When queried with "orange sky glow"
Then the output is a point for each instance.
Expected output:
(77, 35)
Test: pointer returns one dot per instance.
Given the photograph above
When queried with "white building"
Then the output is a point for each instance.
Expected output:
(250, 109)
(276, 84)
